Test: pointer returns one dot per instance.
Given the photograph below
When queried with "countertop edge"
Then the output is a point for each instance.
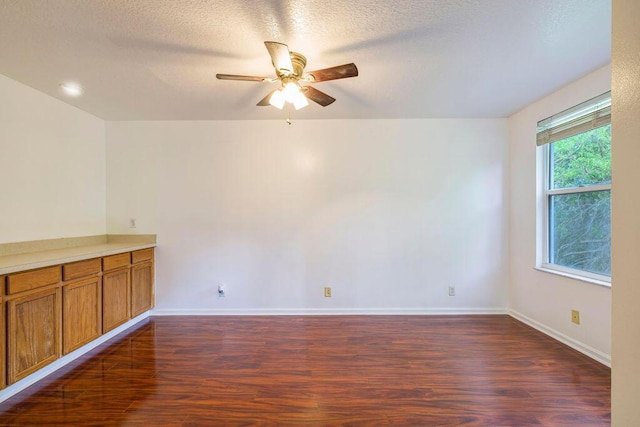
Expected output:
(15, 263)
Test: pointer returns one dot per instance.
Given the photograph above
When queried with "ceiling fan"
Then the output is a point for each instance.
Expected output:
(289, 67)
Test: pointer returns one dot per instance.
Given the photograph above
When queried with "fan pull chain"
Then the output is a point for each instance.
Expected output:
(289, 122)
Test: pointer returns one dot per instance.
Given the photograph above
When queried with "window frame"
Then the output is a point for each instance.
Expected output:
(547, 193)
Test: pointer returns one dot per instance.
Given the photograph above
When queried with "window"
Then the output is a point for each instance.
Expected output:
(576, 144)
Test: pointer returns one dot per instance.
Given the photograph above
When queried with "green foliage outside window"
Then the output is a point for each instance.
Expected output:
(580, 223)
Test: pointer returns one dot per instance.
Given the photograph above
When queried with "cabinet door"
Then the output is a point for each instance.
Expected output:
(32, 333)
(141, 288)
(116, 308)
(81, 313)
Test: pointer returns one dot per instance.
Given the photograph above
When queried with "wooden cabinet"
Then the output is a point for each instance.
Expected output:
(116, 290)
(32, 332)
(55, 310)
(81, 303)
(142, 295)
(33, 321)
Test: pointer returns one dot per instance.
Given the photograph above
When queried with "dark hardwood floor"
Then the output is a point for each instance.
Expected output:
(322, 371)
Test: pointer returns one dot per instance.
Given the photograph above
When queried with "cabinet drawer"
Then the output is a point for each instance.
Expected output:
(141, 255)
(33, 279)
(116, 261)
(79, 269)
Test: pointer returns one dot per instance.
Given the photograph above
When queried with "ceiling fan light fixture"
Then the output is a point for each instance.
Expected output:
(289, 67)
(300, 101)
(277, 99)
(293, 95)
(291, 91)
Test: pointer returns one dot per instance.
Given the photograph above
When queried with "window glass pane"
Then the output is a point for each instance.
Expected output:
(580, 231)
(581, 160)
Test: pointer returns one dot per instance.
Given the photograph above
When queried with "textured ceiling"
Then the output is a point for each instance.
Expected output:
(157, 59)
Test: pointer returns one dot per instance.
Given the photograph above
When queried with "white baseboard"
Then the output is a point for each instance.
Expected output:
(65, 360)
(322, 311)
(583, 348)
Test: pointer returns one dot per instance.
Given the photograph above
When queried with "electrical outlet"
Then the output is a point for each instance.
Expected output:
(221, 293)
(452, 291)
(327, 292)
(132, 223)
(575, 316)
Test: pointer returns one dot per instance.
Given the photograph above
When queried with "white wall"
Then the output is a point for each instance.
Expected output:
(625, 382)
(52, 167)
(387, 213)
(543, 299)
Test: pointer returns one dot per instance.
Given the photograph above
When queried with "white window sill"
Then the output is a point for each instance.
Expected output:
(575, 277)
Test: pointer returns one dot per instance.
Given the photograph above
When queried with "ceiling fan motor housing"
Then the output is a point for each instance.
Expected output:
(299, 62)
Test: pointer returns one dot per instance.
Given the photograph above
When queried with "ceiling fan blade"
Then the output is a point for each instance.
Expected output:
(334, 73)
(264, 102)
(317, 96)
(280, 57)
(243, 78)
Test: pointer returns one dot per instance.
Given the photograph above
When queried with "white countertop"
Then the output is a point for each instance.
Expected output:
(29, 261)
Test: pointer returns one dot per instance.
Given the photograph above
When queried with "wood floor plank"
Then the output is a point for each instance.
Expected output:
(322, 371)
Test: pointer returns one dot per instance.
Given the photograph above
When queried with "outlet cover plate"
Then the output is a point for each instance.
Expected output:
(575, 316)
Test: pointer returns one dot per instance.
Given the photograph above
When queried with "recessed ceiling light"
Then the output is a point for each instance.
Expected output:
(71, 89)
